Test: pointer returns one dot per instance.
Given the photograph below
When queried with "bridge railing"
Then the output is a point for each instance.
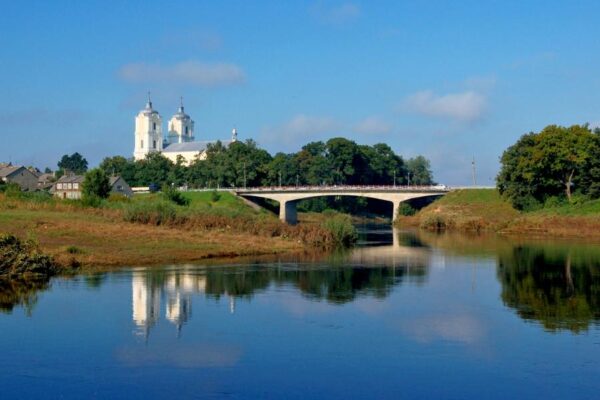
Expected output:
(306, 188)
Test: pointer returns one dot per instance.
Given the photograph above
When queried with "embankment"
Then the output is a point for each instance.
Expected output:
(484, 210)
(151, 230)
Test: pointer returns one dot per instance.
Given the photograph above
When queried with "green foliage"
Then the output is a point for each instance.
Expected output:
(73, 250)
(95, 184)
(419, 170)
(343, 231)
(406, 209)
(12, 189)
(558, 161)
(215, 196)
(91, 201)
(120, 166)
(151, 212)
(74, 163)
(19, 258)
(174, 195)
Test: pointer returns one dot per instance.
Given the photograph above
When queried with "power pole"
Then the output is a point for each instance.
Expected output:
(473, 165)
(244, 175)
(279, 178)
(394, 178)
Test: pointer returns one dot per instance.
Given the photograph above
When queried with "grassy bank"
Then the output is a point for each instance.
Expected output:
(149, 229)
(484, 210)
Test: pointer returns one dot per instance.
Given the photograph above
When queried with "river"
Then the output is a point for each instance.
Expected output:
(403, 315)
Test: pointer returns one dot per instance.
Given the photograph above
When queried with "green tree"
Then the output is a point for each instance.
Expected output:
(555, 162)
(74, 163)
(155, 168)
(419, 171)
(119, 166)
(95, 184)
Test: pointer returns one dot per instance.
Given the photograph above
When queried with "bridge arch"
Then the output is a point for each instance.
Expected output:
(289, 198)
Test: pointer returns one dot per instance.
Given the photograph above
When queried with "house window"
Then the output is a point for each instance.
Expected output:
(119, 188)
(59, 185)
(76, 186)
(69, 186)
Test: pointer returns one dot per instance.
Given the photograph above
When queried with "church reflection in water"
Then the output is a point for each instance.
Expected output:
(336, 278)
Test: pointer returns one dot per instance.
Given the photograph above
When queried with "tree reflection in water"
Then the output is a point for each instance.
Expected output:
(20, 292)
(557, 286)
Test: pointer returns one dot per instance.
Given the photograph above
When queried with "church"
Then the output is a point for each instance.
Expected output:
(179, 140)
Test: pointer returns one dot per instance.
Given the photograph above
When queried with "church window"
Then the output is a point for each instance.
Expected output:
(154, 126)
(186, 130)
(154, 144)
(142, 144)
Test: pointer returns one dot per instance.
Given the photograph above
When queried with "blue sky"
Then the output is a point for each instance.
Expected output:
(451, 80)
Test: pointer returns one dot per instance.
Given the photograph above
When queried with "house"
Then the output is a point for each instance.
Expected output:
(19, 175)
(119, 186)
(69, 186)
(46, 181)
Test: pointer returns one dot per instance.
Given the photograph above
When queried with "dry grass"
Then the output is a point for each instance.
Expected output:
(103, 239)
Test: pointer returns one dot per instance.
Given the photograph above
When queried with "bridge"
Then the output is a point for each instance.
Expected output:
(288, 197)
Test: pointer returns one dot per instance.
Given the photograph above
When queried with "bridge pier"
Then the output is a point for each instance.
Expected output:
(287, 212)
(395, 210)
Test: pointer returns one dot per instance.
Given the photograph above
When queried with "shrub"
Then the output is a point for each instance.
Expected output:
(175, 196)
(406, 210)
(436, 223)
(215, 196)
(12, 189)
(73, 250)
(118, 198)
(341, 228)
(155, 213)
(19, 258)
(91, 201)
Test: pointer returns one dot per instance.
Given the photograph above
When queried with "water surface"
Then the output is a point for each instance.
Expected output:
(403, 315)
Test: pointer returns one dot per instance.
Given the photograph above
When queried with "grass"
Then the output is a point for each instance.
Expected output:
(148, 229)
(480, 210)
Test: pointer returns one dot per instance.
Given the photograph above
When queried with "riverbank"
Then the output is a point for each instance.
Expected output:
(484, 210)
(151, 230)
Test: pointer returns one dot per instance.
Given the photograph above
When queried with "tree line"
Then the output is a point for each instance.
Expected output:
(338, 161)
(557, 165)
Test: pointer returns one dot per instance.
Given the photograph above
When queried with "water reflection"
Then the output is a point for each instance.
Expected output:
(558, 286)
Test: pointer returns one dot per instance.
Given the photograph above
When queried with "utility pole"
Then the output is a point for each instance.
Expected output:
(473, 165)
(244, 174)
(394, 178)
(279, 178)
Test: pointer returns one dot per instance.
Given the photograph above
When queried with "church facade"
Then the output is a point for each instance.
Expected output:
(178, 141)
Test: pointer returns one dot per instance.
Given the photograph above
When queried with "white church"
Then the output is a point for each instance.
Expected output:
(179, 141)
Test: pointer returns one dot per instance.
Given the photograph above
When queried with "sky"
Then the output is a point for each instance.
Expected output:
(451, 80)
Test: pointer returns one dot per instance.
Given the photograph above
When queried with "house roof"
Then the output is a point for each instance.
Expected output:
(6, 171)
(191, 146)
(70, 179)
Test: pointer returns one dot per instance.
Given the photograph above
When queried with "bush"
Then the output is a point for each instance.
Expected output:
(18, 258)
(12, 189)
(95, 184)
(118, 198)
(405, 209)
(215, 196)
(91, 201)
(341, 228)
(436, 223)
(155, 213)
(175, 196)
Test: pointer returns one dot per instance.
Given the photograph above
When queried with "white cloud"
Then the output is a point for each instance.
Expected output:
(372, 126)
(188, 72)
(465, 106)
(337, 15)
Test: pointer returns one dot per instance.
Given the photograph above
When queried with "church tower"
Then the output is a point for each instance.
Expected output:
(148, 132)
(181, 127)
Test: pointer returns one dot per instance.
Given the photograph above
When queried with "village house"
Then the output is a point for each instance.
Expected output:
(20, 175)
(69, 186)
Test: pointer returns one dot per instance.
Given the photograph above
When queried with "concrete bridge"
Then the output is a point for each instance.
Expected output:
(288, 197)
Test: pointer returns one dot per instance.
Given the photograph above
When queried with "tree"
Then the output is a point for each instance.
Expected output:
(119, 165)
(155, 168)
(75, 163)
(95, 184)
(553, 163)
(419, 170)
